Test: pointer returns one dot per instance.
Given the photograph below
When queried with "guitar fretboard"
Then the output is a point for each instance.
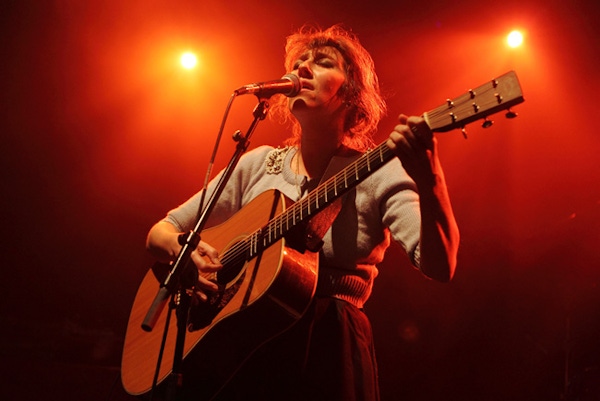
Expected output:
(319, 198)
(498, 94)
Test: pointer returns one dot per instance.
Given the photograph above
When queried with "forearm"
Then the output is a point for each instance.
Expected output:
(439, 231)
(162, 241)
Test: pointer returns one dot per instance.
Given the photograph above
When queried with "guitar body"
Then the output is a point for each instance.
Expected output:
(266, 296)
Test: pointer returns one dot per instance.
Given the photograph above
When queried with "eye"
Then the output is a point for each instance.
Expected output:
(326, 62)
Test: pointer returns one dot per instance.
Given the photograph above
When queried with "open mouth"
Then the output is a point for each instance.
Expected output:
(306, 85)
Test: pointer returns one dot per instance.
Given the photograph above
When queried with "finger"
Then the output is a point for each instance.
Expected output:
(206, 250)
(204, 263)
(206, 284)
(420, 129)
(404, 136)
(397, 138)
(202, 296)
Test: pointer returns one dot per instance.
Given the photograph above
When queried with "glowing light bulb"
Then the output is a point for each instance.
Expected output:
(188, 60)
(514, 39)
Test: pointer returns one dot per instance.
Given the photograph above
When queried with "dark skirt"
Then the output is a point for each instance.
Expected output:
(327, 355)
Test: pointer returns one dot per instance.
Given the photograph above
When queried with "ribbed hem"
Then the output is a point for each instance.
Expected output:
(344, 285)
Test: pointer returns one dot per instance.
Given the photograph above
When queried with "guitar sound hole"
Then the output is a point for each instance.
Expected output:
(234, 261)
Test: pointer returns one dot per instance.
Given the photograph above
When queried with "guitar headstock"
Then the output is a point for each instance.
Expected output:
(496, 95)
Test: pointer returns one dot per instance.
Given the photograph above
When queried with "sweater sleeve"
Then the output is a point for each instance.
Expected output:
(399, 208)
(234, 196)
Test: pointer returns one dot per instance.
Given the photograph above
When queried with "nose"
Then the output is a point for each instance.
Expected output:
(304, 70)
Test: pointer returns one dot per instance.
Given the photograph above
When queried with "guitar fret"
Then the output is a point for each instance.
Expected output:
(255, 242)
(294, 215)
(269, 236)
(249, 244)
(272, 231)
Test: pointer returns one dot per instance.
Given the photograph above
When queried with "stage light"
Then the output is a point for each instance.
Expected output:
(514, 39)
(188, 60)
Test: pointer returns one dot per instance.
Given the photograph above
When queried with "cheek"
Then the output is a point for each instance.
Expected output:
(333, 85)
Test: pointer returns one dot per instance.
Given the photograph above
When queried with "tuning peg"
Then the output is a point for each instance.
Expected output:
(487, 123)
(511, 114)
(464, 132)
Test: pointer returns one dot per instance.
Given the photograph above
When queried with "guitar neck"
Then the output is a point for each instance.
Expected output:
(495, 95)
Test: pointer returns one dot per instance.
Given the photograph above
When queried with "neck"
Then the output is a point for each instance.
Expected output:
(315, 152)
(321, 137)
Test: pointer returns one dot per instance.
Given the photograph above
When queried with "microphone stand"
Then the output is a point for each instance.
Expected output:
(173, 285)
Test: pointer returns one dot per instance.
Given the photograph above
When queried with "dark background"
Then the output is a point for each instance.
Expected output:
(102, 133)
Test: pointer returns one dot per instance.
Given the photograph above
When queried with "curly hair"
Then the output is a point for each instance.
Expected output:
(361, 90)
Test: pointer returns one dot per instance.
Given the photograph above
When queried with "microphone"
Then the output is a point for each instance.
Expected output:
(288, 85)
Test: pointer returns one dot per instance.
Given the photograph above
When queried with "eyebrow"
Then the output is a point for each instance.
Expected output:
(321, 53)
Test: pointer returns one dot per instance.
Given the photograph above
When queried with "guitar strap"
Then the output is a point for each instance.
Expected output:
(318, 225)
